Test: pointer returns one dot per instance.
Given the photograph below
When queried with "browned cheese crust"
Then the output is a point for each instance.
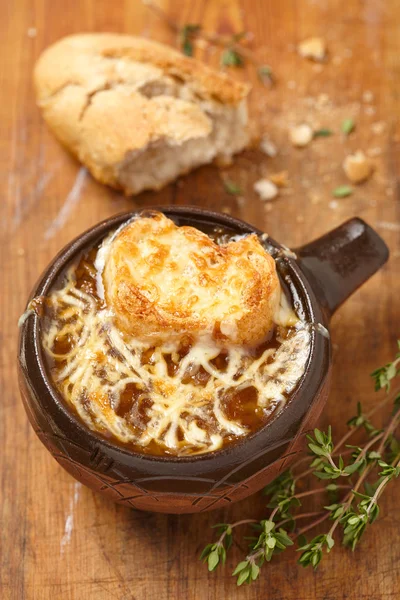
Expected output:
(166, 283)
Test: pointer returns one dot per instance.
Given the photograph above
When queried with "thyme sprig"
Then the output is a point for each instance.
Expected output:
(356, 477)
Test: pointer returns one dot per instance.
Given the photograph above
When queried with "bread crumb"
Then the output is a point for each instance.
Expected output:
(378, 127)
(280, 179)
(313, 48)
(268, 207)
(300, 219)
(322, 100)
(268, 147)
(357, 167)
(291, 84)
(389, 191)
(368, 96)
(227, 210)
(333, 204)
(266, 189)
(32, 32)
(21, 252)
(301, 135)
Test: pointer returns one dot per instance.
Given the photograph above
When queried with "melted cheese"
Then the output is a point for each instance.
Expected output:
(101, 361)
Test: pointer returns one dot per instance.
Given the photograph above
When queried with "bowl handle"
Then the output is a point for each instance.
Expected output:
(337, 263)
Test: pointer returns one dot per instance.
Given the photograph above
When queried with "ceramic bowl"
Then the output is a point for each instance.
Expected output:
(320, 275)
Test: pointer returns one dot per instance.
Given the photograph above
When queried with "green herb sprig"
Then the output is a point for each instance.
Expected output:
(231, 58)
(342, 191)
(265, 74)
(324, 132)
(356, 477)
(187, 34)
(348, 126)
(232, 188)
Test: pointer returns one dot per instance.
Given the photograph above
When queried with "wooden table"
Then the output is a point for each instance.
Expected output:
(58, 539)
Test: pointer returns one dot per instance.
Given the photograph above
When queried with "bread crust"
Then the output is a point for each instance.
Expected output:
(97, 92)
(168, 283)
(71, 60)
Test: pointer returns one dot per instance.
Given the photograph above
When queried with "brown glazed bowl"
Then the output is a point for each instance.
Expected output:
(320, 275)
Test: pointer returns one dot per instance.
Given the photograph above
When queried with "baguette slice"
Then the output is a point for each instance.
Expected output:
(137, 113)
(165, 283)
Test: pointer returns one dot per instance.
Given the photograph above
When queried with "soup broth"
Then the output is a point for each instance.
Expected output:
(176, 399)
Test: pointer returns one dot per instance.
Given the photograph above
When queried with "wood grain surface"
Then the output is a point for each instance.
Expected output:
(58, 539)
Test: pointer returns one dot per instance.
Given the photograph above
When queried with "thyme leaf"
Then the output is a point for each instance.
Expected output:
(348, 126)
(231, 58)
(342, 191)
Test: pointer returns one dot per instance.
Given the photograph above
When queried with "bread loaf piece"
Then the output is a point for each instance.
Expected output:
(137, 113)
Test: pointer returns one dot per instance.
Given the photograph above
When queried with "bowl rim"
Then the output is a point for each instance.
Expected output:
(30, 330)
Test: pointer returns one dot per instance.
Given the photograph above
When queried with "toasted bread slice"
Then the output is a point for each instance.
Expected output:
(137, 113)
(170, 283)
